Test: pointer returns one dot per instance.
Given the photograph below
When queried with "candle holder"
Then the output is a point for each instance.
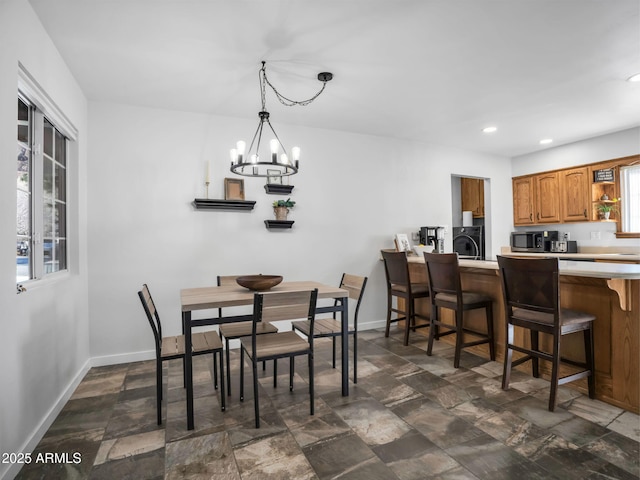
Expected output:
(207, 186)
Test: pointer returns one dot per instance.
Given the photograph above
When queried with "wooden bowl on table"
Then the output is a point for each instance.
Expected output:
(259, 283)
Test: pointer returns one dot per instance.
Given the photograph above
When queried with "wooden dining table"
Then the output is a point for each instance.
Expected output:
(206, 298)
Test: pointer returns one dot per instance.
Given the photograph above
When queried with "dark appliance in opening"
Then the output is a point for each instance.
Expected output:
(468, 242)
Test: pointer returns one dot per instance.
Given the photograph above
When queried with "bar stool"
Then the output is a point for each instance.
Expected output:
(399, 285)
(531, 292)
(446, 291)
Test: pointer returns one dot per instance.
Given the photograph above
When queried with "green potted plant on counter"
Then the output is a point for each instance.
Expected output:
(281, 208)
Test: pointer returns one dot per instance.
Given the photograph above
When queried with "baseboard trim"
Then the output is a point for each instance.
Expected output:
(123, 358)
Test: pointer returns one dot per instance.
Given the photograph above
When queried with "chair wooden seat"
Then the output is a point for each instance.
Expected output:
(324, 327)
(446, 291)
(531, 291)
(233, 331)
(277, 346)
(173, 347)
(275, 306)
(332, 327)
(399, 285)
(203, 342)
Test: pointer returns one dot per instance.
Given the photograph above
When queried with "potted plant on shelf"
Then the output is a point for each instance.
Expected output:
(605, 209)
(281, 208)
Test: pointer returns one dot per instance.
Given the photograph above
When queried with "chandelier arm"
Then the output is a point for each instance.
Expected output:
(277, 138)
(258, 130)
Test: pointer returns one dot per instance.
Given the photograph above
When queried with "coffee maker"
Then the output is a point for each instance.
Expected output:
(433, 236)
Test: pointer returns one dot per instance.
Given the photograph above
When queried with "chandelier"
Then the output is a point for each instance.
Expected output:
(250, 163)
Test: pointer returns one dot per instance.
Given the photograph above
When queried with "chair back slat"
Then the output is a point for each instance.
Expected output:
(227, 280)
(443, 273)
(396, 268)
(152, 315)
(530, 283)
(290, 305)
(354, 284)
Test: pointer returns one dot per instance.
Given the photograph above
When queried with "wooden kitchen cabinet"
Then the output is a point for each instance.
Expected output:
(536, 199)
(575, 197)
(547, 195)
(472, 192)
(523, 201)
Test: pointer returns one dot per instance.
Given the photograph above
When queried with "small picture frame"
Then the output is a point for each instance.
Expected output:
(274, 177)
(233, 189)
(402, 243)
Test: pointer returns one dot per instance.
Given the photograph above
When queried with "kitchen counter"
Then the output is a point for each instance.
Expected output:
(596, 256)
(567, 267)
(608, 290)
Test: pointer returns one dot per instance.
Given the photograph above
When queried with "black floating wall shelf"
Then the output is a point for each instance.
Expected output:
(277, 189)
(275, 224)
(209, 204)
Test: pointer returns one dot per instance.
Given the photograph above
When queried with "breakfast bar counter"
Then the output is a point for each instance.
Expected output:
(610, 291)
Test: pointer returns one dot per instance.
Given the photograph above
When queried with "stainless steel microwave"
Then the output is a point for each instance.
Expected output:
(527, 242)
(533, 241)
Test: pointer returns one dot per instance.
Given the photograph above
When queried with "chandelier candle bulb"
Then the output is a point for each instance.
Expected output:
(283, 159)
(295, 154)
(274, 150)
(233, 153)
(240, 146)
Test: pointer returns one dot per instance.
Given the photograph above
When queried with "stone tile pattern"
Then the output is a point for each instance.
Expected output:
(409, 417)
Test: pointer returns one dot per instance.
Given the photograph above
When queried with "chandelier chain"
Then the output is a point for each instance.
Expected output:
(281, 98)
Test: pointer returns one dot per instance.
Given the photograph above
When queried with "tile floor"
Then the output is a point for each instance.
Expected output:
(409, 417)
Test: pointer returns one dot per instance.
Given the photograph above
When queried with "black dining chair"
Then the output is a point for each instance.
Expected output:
(445, 291)
(275, 306)
(173, 347)
(234, 331)
(531, 291)
(332, 327)
(400, 286)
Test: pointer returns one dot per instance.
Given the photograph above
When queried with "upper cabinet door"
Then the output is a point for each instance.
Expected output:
(575, 197)
(523, 201)
(547, 198)
(472, 191)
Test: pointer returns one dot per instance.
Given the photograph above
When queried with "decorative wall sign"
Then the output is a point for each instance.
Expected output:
(604, 175)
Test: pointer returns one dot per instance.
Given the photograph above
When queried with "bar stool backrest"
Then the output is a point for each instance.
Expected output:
(531, 284)
(443, 273)
(396, 268)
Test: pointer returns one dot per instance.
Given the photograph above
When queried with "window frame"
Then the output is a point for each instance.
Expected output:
(42, 106)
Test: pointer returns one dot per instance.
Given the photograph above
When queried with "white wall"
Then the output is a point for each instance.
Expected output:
(593, 150)
(353, 194)
(45, 330)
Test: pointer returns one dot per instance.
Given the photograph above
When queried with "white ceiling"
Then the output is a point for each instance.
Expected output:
(429, 70)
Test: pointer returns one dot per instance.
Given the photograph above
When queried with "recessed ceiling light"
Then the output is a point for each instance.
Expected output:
(546, 141)
(490, 129)
(634, 78)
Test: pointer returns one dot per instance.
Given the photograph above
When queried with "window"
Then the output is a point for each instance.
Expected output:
(41, 213)
(630, 194)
